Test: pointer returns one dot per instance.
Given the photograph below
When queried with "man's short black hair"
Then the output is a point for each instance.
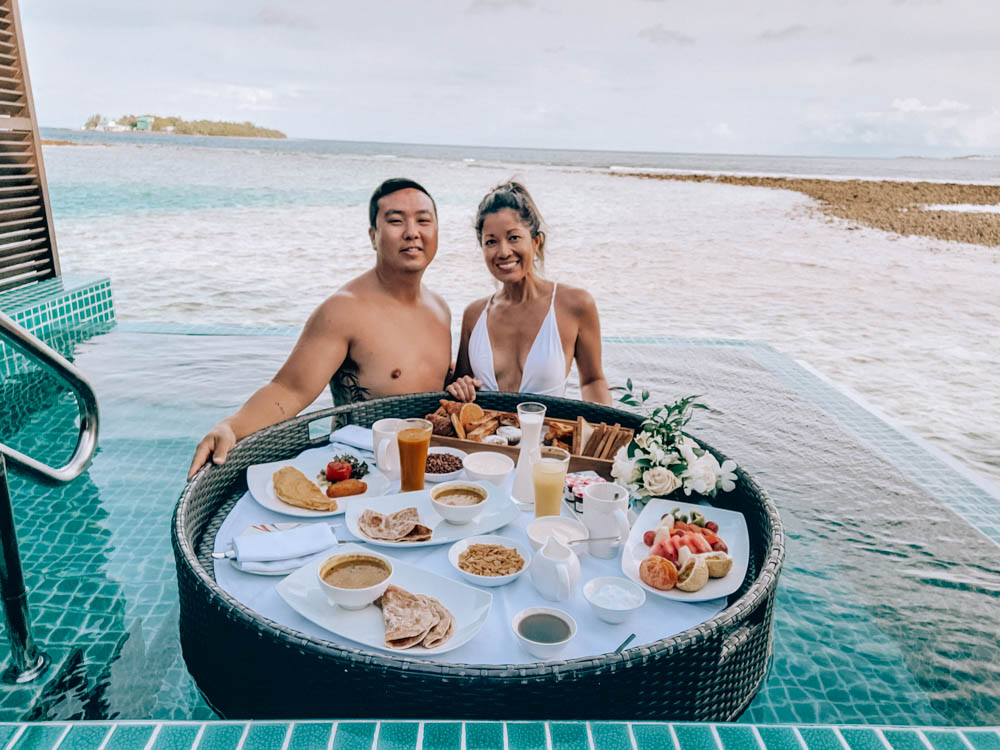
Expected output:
(391, 186)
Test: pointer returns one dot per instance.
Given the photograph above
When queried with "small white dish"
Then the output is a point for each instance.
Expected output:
(459, 515)
(613, 599)
(564, 529)
(459, 547)
(350, 598)
(447, 476)
(488, 466)
(543, 651)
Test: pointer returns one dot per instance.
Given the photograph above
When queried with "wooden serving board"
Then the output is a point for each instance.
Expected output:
(576, 463)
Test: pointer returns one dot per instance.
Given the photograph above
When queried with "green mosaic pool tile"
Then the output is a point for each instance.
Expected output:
(821, 738)
(129, 736)
(608, 736)
(85, 737)
(946, 740)
(860, 739)
(737, 738)
(485, 735)
(6, 732)
(442, 735)
(310, 735)
(222, 736)
(265, 736)
(176, 737)
(904, 739)
(984, 740)
(398, 735)
(354, 735)
(778, 738)
(653, 736)
(695, 737)
(569, 735)
(40, 737)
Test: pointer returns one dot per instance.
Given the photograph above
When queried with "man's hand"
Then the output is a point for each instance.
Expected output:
(218, 442)
(464, 388)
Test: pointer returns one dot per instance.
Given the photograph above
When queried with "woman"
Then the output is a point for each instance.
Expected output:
(526, 335)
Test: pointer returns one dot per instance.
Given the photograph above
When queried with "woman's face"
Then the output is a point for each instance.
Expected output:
(508, 247)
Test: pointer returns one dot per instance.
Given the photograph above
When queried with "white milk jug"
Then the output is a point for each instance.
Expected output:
(555, 570)
(604, 514)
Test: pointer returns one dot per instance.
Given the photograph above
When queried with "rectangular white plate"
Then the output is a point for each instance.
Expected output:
(310, 463)
(732, 530)
(470, 605)
(498, 511)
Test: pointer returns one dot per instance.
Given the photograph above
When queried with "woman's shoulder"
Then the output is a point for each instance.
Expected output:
(473, 310)
(574, 300)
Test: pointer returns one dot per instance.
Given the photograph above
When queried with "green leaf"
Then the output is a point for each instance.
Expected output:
(628, 384)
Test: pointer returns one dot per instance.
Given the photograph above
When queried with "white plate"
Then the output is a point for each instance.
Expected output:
(311, 463)
(463, 544)
(428, 477)
(498, 510)
(469, 605)
(732, 530)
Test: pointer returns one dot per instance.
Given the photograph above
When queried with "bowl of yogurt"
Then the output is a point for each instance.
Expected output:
(613, 599)
(488, 466)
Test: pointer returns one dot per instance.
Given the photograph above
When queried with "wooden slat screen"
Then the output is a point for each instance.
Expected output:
(27, 238)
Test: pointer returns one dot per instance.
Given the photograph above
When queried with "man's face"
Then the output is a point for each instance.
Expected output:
(405, 235)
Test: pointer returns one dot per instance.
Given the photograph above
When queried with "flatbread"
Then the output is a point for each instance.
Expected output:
(445, 626)
(408, 617)
(293, 487)
(402, 526)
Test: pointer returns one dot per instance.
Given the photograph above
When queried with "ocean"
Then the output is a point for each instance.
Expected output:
(257, 232)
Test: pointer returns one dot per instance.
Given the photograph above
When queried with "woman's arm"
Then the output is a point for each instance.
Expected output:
(593, 385)
(463, 385)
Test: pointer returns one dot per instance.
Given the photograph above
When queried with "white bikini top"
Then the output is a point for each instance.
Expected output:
(545, 366)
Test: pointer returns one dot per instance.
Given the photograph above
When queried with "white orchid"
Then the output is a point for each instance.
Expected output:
(624, 469)
(701, 475)
(726, 481)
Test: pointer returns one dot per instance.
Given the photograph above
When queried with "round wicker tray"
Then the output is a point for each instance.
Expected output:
(250, 667)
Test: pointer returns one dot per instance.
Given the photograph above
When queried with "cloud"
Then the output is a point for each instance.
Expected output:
(248, 98)
(665, 37)
(281, 17)
(488, 5)
(863, 60)
(909, 125)
(777, 35)
(722, 130)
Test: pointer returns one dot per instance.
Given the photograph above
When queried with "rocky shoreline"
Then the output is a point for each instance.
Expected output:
(891, 206)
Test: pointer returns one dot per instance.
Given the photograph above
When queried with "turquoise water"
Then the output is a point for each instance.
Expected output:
(883, 616)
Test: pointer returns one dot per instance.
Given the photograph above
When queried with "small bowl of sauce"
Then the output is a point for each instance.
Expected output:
(353, 581)
(459, 502)
(543, 631)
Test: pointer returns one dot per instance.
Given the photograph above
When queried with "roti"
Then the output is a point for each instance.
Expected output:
(402, 526)
(414, 619)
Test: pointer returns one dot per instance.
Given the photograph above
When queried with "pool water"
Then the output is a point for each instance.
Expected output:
(887, 611)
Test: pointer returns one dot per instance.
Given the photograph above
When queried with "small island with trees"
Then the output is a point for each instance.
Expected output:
(178, 126)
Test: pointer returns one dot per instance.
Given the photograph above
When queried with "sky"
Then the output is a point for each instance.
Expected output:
(811, 77)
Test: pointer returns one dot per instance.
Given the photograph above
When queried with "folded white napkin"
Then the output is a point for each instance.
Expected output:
(355, 436)
(281, 550)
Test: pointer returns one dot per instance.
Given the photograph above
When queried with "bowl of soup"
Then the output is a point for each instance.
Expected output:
(544, 631)
(459, 502)
(353, 580)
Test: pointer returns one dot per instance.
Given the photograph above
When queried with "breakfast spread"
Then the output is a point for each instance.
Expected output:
(402, 526)
(414, 619)
(490, 560)
(342, 477)
(293, 487)
(684, 552)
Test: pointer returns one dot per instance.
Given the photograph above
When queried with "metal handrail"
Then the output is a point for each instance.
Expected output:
(27, 662)
(86, 399)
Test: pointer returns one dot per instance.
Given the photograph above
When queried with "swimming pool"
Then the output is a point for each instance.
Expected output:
(887, 608)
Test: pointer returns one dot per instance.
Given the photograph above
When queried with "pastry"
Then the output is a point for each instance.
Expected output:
(293, 487)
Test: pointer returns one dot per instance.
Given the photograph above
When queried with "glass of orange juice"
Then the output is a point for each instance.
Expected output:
(548, 477)
(414, 438)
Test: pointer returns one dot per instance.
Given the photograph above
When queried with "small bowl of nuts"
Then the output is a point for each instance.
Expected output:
(489, 560)
(443, 464)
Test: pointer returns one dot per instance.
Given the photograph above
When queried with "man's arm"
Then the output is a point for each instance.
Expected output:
(318, 354)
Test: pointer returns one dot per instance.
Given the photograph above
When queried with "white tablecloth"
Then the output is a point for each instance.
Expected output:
(495, 643)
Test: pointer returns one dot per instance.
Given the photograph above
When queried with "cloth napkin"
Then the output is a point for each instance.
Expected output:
(282, 550)
(355, 436)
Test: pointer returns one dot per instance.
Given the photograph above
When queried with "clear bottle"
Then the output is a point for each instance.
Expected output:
(531, 416)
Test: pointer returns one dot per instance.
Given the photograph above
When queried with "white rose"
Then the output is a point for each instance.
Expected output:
(701, 475)
(660, 481)
(624, 469)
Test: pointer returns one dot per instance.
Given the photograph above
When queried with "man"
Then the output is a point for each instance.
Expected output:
(381, 334)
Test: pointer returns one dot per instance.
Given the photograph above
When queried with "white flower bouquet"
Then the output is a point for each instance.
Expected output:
(661, 459)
